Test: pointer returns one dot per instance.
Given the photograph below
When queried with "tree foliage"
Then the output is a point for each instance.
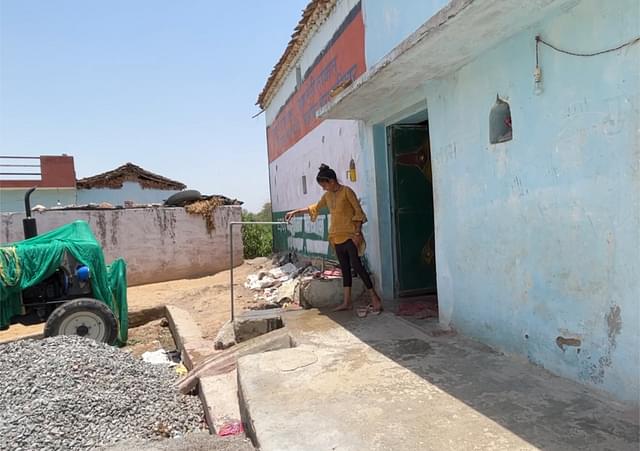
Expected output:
(257, 239)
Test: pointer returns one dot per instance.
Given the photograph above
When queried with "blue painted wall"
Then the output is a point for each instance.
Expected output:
(12, 200)
(539, 238)
(388, 22)
(129, 191)
(385, 226)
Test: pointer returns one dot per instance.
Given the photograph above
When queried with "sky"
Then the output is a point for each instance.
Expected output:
(170, 86)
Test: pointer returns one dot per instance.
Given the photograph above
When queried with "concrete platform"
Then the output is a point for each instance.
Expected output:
(384, 384)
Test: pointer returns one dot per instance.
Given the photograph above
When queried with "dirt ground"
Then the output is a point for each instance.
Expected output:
(150, 337)
(206, 298)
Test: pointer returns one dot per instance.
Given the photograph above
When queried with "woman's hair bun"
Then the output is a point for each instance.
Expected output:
(326, 174)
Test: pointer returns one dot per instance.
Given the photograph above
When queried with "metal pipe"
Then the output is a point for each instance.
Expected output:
(231, 224)
(19, 165)
(27, 202)
(13, 157)
(20, 173)
(29, 226)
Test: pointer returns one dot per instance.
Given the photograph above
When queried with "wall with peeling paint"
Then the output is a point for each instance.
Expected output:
(158, 244)
(538, 239)
(388, 22)
(314, 47)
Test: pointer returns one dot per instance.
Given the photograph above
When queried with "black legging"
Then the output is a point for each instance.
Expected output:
(347, 253)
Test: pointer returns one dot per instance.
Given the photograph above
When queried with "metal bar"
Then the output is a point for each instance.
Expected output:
(20, 173)
(19, 165)
(231, 224)
(19, 158)
(231, 268)
(41, 304)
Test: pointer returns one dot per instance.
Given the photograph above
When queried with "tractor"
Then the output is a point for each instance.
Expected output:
(60, 278)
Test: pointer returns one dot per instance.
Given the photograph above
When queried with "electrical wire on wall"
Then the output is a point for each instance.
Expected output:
(537, 74)
(539, 41)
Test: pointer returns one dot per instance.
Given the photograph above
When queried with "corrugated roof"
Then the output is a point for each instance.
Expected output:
(313, 15)
(129, 173)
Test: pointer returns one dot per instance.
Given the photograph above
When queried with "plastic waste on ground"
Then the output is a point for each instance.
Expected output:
(232, 428)
(277, 287)
(161, 357)
(181, 370)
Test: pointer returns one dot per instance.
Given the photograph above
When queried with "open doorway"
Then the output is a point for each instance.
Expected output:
(413, 213)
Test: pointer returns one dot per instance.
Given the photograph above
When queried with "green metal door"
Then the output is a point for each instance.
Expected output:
(413, 209)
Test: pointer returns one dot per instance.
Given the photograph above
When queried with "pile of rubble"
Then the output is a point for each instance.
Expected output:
(68, 392)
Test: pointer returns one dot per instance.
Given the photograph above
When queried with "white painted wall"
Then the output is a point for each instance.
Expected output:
(158, 244)
(333, 142)
(129, 191)
(316, 44)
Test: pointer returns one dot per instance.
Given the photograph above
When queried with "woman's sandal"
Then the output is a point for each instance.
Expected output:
(374, 312)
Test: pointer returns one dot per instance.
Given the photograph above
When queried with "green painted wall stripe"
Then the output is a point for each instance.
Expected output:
(281, 236)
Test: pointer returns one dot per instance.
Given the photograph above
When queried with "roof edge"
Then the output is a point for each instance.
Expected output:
(129, 172)
(313, 15)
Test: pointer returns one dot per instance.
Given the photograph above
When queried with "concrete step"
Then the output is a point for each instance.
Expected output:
(219, 395)
(225, 361)
(188, 337)
(259, 392)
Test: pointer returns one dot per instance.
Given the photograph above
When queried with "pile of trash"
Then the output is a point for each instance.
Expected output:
(279, 287)
(276, 288)
(205, 208)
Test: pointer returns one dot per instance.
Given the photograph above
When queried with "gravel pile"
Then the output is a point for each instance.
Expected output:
(71, 393)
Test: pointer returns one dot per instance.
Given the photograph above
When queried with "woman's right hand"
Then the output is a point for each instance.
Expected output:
(290, 215)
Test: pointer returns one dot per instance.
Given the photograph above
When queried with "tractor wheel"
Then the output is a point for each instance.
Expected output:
(84, 317)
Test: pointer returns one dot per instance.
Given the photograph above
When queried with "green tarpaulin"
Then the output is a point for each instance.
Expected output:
(29, 262)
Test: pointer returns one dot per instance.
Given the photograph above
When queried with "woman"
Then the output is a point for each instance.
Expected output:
(345, 233)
